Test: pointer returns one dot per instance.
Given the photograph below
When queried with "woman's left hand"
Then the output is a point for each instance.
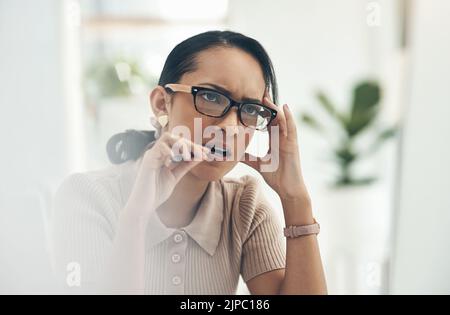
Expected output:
(286, 179)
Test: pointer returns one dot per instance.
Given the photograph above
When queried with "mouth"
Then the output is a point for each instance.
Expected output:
(218, 150)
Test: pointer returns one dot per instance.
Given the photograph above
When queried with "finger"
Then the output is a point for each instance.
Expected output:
(268, 102)
(197, 151)
(186, 151)
(200, 152)
(290, 121)
(166, 151)
(169, 163)
(280, 120)
(266, 93)
(194, 150)
(167, 154)
(279, 124)
(274, 137)
(158, 155)
(180, 147)
(169, 138)
(252, 161)
(174, 142)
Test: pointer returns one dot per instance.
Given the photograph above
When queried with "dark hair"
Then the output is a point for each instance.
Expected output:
(131, 144)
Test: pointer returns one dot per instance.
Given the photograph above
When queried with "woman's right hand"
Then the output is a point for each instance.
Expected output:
(158, 174)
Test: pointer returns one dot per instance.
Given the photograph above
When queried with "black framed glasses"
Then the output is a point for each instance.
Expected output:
(213, 103)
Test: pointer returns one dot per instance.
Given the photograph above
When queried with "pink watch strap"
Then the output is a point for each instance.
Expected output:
(300, 230)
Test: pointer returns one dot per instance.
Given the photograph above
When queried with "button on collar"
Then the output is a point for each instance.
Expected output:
(177, 238)
(176, 280)
(176, 258)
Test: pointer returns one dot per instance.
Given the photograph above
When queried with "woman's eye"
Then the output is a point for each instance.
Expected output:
(211, 97)
(250, 110)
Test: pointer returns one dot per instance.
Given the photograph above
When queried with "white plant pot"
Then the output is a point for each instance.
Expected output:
(354, 238)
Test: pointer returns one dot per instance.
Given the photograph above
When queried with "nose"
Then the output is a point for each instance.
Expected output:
(229, 124)
(230, 120)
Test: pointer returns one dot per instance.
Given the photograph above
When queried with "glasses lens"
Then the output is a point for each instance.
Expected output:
(255, 116)
(211, 103)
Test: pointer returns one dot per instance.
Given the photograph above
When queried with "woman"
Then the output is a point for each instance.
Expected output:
(165, 221)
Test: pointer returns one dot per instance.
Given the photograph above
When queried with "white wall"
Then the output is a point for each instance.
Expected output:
(322, 44)
(422, 256)
(328, 45)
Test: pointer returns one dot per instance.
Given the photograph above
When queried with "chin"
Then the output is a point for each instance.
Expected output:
(211, 171)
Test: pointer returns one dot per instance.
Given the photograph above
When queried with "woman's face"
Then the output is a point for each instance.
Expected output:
(232, 70)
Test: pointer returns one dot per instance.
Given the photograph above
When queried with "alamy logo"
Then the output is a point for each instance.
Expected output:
(73, 278)
(374, 14)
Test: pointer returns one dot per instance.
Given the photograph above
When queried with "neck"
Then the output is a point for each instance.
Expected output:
(180, 209)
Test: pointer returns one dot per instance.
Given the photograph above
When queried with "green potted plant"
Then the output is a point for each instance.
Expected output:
(355, 209)
(116, 94)
(353, 123)
(115, 78)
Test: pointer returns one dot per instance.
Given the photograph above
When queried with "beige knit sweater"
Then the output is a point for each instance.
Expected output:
(233, 233)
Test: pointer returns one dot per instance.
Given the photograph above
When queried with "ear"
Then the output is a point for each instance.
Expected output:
(159, 99)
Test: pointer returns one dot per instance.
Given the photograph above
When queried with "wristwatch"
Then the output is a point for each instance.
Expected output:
(300, 230)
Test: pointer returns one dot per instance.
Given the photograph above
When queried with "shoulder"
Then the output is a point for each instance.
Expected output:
(245, 198)
(95, 189)
(90, 182)
(245, 190)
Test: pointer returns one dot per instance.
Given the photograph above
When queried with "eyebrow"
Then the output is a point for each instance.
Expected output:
(228, 93)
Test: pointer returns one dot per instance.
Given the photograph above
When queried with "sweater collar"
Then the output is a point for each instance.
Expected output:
(205, 229)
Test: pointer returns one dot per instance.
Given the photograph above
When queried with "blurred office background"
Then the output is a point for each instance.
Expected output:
(367, 80)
